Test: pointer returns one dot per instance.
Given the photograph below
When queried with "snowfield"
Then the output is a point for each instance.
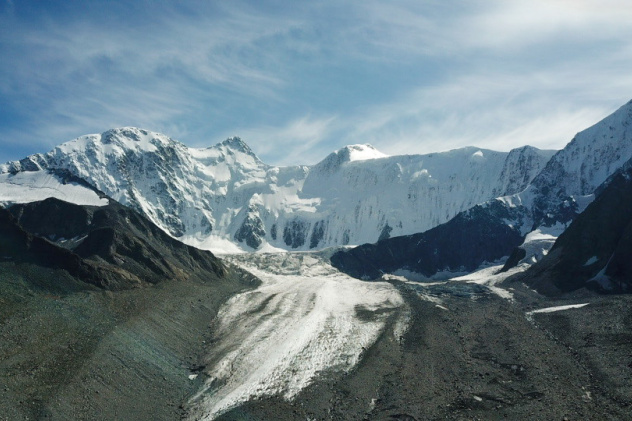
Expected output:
(31, 186)
(304, 319)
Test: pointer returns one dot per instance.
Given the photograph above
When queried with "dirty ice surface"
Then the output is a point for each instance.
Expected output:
(305, 318)
(491, 277)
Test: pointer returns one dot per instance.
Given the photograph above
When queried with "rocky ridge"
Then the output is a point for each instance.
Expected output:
(111, 246)
(594, 251)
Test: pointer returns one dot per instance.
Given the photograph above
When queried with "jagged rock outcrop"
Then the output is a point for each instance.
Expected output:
(251, 231)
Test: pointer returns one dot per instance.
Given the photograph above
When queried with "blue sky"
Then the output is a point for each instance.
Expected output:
(299, 79)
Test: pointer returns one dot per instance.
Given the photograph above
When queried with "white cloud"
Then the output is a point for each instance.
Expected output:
(216, 51)
(299, 141)
(503, 26)
(512, 23)
(297, 83)
(496, 110)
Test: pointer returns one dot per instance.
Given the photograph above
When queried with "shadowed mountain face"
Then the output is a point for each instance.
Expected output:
(111, 247)
(462, 244)
(595, 250)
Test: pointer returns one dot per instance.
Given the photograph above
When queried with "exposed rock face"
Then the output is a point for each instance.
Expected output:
(295, 233)
(19, 246)
(252, 230)
(318, 233)
(462, 244)
(595, 249)
(112, 247)
(386, 232)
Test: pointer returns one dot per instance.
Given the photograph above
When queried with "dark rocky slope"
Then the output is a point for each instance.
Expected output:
(462, 244)
(113, 247)
(477, 357)
(110, 326)
(594, 251)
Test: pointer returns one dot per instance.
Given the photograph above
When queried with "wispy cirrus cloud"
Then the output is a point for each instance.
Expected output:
(527, 72)
(300, 142)
(500, 111)
(69, 77)
(299, 82)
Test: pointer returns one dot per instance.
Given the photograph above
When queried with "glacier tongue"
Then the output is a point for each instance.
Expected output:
(304, 319)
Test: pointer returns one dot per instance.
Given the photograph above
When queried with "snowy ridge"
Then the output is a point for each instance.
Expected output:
(407, 194)
(569, 182)
(25, 187)
(591, 157)
(225, 199)
(363, 152)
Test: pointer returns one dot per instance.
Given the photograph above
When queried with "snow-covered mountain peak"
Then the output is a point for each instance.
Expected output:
(127, 136)
(235, 144)
(118, 141)
(361, 152)
(350, 153)
(229, 160)
(224, 197)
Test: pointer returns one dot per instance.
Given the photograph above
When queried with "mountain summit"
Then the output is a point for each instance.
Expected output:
(351, 153)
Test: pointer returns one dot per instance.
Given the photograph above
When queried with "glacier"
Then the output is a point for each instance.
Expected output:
(304, 319)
